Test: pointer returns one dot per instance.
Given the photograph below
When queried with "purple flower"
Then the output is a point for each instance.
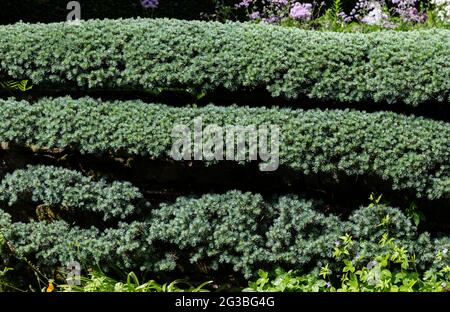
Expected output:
(243, 4)
(328, 284)
(413, 15)
(272, 19)
(346, 18)
(280, 2)
(372, 12)
(301, 11)
(255, 15)
(150, 4)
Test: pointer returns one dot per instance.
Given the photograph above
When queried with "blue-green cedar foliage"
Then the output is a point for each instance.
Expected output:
(242, 230)
(69, 189)
(408, 152)
(411, 67)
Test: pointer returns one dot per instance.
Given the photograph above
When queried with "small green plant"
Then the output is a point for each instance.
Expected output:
(4, 284)
(330, 20)
(415, 214)
(282, 281)
(374, 200)
(97, 281)
(21, 85)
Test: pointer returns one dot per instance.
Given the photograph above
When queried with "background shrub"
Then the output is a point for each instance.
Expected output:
(47, 11)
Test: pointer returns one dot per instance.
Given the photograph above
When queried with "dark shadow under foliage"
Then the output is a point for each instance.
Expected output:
(47, 11)
(222, 97)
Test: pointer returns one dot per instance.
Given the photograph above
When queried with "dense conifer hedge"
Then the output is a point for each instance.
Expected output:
(155, 54)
